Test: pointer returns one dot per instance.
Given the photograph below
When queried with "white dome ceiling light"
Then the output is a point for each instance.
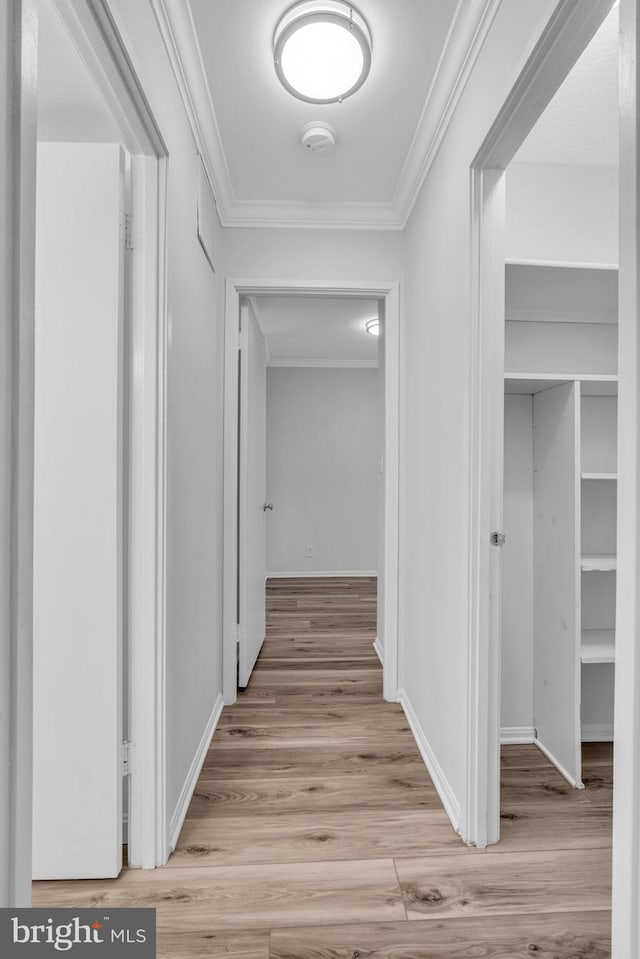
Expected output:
(373, 326)
(322, 50)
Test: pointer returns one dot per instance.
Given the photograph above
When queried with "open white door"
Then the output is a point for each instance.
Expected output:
(252, 505)
(77, 810)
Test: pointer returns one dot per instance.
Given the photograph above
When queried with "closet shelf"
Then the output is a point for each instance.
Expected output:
(603, 562)
(599, 476)
(598, 646)
(592, 384)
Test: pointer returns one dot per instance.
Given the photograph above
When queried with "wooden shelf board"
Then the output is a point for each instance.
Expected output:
(593, 384)
(598, 646)
(602, 562)
(561, 264)
(599, 476)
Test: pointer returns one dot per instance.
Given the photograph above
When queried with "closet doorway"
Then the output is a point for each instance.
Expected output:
(554, 348)
(98, 466)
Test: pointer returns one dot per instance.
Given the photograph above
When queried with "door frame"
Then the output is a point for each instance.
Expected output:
(95, 32)
(567, 33)
(389, 292)
(99, 36)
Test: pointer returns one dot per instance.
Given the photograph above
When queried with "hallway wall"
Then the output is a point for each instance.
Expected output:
(435, 480)
(194, 411)
(313, 254)
(322, 470)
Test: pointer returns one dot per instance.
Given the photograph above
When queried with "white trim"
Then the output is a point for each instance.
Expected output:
(389, 292)
(597, 733)
(379, 650)
(148, 836)
(177, 30)
(319, 574)
(570, 27)
(19, 54)
(98, 35)
(328, 363)
(552, 759)
(191, 781)
(481, 824)
(440, 781)
(517, 735)
(469, 29)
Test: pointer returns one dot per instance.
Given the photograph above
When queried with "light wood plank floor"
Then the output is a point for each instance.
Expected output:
(316, 833)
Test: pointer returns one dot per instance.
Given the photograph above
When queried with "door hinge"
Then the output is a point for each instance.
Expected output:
(130, 238)
(127, 748)
(497, 539)
(242, 340)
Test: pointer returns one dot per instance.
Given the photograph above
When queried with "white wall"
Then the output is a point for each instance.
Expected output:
(195, 367)
(517, 566)
(562, 213)
(322, 470)
(434, 575)
(308, 254)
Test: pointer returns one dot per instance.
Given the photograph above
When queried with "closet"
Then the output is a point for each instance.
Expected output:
(559, 576)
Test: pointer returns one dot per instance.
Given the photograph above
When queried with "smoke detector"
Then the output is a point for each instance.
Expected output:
(318, 137)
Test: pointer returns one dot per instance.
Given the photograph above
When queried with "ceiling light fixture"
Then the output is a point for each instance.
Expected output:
(322, 50)
(373, 326)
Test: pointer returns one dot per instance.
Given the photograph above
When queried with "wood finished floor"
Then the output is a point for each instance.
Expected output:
(316, 833)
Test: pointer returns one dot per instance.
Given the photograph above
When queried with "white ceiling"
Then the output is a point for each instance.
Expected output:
(317, 331)
(387, 133)
(70, 107)
(580, 125)
(260, 121)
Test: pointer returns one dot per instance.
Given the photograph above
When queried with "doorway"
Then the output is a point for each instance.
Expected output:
(99, 460)
(235, 476)
(560, 46)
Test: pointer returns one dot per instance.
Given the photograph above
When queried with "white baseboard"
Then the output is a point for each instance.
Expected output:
(377, 645)
(320, 574)
(440, 781)
(190, 782)
(597, 733)
(517, 735)
(552, 759)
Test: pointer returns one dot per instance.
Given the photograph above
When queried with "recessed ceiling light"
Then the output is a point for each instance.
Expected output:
(373, 326)
(322, 50)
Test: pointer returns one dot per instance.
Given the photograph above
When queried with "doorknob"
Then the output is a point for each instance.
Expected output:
(267, 506)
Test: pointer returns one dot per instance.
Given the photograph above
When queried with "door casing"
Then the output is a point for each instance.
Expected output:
(568, 32)
(389, 293)
(95, 32)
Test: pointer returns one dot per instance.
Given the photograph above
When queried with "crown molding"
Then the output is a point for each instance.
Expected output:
(467, 35)
(177, 29)
(469, 29)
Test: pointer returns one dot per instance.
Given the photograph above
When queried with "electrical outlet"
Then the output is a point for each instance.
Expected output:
(309, 551)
